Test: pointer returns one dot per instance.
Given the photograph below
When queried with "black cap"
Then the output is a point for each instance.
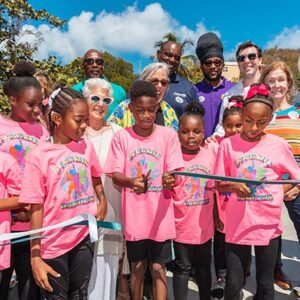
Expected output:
(209, 45)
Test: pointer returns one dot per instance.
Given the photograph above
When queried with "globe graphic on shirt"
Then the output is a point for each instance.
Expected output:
(75, 183)
(19, 152)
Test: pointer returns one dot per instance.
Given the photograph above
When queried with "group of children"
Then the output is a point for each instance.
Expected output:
(49, 180)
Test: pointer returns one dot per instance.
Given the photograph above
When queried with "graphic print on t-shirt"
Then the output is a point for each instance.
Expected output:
(253, 167)
(196, 187)
(18, 152)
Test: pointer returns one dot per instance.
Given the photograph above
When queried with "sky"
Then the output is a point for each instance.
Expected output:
(129, 29)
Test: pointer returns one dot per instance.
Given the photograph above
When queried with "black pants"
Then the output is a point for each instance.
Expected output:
(219, 253)
(20, 261)
(4, 283)
(186, 257)
(236, 259)
(75, 268)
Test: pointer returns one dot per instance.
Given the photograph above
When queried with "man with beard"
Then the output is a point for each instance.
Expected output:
(211, 89)
(93, 65)
(180, 91)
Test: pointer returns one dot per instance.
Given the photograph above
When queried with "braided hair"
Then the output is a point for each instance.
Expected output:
(61, 99)
(193, 109)
(235, 104)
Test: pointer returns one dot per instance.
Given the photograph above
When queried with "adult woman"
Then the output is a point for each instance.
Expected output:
(285, 123)
(158, 74)
(109, 249)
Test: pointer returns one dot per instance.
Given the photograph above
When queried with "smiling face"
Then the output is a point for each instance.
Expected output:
(93, 64)
(171, 55)
(255, 118)
(212, 68)
(160, 80)
(279, 86)
(250, 67)
(27, 105)
(191, 133)
(98, 110)
(232, 124)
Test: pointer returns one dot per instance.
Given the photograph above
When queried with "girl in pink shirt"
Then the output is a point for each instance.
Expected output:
(254, 211)
(193, 207)
(9, 186)
(60, 181)
(232, 124)
(20, 132)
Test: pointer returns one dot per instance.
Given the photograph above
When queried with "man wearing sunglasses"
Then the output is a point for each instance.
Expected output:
(180, 92)
(93, 65)
(249, 59)
(209, 50)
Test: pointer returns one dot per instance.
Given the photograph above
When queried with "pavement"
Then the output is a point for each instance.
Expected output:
(291, 266)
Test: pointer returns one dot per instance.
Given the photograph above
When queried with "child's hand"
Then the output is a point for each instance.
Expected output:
(212, 138)
(168, 181)
(241, 189)
(219, 226)
(40, 272)
(138, 185)
(21, 216)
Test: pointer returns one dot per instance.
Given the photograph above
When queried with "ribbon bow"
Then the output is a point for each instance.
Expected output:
(260, 89)
(235, 103)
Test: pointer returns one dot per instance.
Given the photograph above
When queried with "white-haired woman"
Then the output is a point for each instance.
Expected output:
(109, 249)
(158, 74)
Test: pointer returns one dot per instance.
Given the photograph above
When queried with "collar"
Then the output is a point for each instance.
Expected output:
(210, 87)
(174, 77)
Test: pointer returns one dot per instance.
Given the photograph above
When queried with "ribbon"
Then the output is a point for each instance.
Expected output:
(260, 89)
(82, 219)
(233, 179)
(235, 103)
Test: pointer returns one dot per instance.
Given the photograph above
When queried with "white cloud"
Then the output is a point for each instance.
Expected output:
(288, 38)
(132, 31)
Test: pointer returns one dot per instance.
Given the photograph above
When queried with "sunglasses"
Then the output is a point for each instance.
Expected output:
(163, 82)
(97, 61)
(250, 56)
(106, 100)
(216, 62)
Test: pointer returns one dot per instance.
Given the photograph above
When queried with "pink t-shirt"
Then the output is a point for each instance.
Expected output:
(194, 200)
(255, 220)
(149, 215)
(18, 139)
(9, 186)
(60, 177)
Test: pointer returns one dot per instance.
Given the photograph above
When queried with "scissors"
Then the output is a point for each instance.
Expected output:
(146, 180)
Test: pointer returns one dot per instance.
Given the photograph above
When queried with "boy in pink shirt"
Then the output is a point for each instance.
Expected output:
(61, 181)
(9, 186)
(254, 211)
(138, 158)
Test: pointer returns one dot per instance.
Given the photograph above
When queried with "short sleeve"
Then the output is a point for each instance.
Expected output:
(289, 164)
(115, 161)
(174, 159)
(33, 185)
(222, 167)
(96, 170)
(12, 175)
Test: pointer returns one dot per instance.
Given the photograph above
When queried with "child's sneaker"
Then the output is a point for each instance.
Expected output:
(217, 293)
(13, 280)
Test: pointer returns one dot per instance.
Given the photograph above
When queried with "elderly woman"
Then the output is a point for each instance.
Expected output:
(109, 249)
(158, 74)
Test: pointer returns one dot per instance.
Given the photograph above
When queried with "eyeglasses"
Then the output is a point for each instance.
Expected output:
(156, 81)
(216, 62)
(250, 56)
(97, 61)
(106, 100)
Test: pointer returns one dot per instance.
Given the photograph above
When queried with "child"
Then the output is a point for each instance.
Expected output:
(9, 186)
(138, 158)
(193, 207)
(20, 132)
(254, 211)
(232, 125)
(59, 183)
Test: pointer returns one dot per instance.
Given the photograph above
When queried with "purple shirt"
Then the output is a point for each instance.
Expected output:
(211, 98)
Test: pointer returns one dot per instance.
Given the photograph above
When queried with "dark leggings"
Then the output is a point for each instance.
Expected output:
(186, 257)
(27, 288)
(219, 253)
(236, 259)
(4, 283)
(75, 268)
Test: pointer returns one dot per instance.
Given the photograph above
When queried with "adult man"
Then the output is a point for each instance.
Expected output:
(210, 90)
(93, 65)
(249, 59)
(180, 92)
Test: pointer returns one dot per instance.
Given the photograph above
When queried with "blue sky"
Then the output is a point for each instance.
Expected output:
(129, 28)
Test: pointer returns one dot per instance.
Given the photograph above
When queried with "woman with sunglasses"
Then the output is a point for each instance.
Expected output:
(109, 249)
(158, 74)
